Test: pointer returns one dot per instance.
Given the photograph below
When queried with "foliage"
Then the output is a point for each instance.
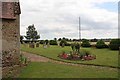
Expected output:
(23, 59)
(55, 39)
(85, 43)
(101, 44)
(42, 41)
(66, 39)
(21, 39)
(114, 44)
(63, 42)
(32, 34)
(94, 40)
(59, 39)
(53, 42)
(77, 55)
(75, 47)
(46, 41)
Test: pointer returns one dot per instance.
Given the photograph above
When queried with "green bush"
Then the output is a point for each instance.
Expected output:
(77, 47)
(46, 41)
(64, 43)
(84, 52)
(73, 46)
(101, 44)
(85, 43)
(42, 42)
(114, 44)
(53, 42)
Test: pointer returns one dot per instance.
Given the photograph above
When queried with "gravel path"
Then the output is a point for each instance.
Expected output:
(37, 58)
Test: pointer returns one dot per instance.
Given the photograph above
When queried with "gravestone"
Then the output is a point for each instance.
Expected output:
(32, 45)
(44, 45)
(37, 44)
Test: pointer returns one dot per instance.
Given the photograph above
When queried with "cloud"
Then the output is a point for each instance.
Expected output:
(59, 18)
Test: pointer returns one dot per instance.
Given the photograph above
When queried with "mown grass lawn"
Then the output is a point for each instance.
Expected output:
(53, 70)
(103, 56)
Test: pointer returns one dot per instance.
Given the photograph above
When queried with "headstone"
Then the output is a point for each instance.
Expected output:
(37, 44)
(44, 45)
(31, 45)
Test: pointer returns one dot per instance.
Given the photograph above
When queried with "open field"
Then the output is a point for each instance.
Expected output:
(52, 70)
(104, 56)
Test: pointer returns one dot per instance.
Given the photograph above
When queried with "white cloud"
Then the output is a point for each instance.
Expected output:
(58, 18)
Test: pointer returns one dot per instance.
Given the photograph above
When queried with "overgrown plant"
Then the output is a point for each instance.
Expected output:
(23, 59)
(75, 47)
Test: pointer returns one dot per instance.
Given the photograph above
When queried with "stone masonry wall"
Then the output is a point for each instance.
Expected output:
(10, 28)
(10, 44)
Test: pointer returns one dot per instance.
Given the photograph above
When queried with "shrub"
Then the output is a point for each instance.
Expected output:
(63, 43)
(77, 47)
(114, 44)
(85, 43)
(101, 44)
(73, 46)
(42, 42)
(53, 42)
(46, 41)
(23, 60)
(26, 41)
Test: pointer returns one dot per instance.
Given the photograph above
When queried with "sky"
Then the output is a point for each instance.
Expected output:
(60, 18)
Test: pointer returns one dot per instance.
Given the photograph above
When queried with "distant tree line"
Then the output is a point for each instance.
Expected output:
(33, 36)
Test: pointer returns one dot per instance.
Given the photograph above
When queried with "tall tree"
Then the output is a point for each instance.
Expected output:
(32, 33)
